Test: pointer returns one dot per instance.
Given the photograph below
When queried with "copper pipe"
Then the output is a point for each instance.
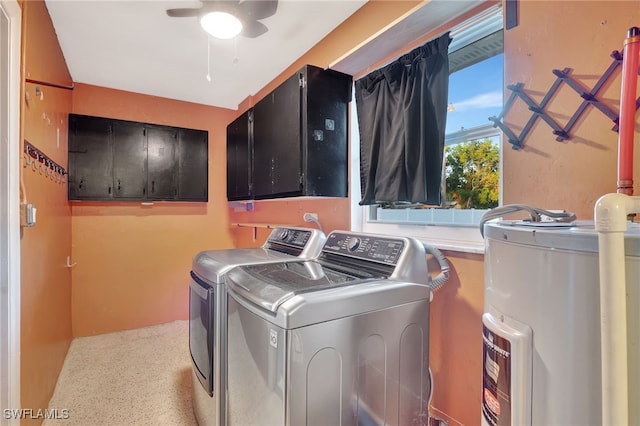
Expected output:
(626, 121)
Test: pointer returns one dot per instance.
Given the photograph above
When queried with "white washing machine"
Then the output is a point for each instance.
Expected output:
(342, 340)
(541, 325)
(208, 310)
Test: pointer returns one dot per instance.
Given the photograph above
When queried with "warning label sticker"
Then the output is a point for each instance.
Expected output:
(496, 379)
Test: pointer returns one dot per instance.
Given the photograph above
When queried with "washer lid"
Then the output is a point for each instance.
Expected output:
(270, 285)
(212, 265)
(297, 294)
(283, 244)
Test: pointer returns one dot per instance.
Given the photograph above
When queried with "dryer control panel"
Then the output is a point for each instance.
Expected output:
(291, 237)
(365, 247)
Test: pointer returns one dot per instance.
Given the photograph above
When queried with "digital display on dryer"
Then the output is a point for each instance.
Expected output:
(293, 237)
(378, 249)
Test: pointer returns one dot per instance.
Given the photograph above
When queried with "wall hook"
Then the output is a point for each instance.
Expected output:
(69, 264)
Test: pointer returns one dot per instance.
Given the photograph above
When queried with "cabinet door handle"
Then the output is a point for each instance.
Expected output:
(153, 186)
(109, 190)
(118, 184)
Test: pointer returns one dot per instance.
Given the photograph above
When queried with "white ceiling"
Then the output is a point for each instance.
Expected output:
(134, 46)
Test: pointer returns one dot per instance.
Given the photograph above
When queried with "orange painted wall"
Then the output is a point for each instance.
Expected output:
(456, 340)
(552, 35)
(333, 213)
(133, 261)
(45, 281)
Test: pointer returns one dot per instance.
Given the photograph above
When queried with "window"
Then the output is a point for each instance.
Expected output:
(472, 143)
(475, 93)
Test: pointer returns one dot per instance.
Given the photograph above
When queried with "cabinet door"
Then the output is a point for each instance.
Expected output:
(89, 158)
(238, 158)
(162, 144)
(277, 142)
(129, 160)
(326, 103)
(193, 163)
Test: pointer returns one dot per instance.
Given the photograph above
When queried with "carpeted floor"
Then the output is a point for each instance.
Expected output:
(133, 377)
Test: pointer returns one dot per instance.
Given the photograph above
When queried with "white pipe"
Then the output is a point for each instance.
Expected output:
(610, 214)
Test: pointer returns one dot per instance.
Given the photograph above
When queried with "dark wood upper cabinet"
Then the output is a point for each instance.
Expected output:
(277, 137)
(239, 157)
(90, 159)
(130, 161)
(297, 140)
(162, 170)
(193, 165)
(129, 154)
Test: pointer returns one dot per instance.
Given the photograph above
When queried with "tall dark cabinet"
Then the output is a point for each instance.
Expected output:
(297, 139)
(131, 161)
(193, 164)
(90, 158)
(278, 141)
(129, 154)
(239, 157)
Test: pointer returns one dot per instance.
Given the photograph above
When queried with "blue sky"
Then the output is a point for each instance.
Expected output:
(476, 94)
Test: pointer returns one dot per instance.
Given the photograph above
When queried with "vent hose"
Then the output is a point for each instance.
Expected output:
(436, 283)
(443, 276)
(534, 212)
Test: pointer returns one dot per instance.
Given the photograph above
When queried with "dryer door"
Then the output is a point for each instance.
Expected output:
(201, 330)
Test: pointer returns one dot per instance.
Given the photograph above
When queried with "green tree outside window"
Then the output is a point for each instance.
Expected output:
(472, 174)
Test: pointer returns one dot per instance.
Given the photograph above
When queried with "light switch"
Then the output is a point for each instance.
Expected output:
(27, 215)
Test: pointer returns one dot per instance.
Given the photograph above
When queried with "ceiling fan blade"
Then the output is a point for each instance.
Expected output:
(253, 29)
(227, 2)
(258, 9)
(183, 13)
(229, 6)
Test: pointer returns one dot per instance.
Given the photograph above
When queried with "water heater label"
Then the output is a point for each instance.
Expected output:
(496, 379)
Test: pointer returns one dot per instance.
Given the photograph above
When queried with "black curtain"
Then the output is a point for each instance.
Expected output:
(402, 112)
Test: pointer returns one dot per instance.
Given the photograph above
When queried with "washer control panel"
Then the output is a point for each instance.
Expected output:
(365, 247)
(291, 237)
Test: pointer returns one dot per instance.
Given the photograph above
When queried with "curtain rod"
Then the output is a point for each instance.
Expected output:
(45, 83)
(453, 31)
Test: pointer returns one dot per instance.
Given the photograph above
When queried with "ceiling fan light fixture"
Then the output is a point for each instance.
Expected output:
(221, 24)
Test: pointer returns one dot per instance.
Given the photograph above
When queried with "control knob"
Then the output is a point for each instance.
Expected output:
(284, 234)
(353, 243)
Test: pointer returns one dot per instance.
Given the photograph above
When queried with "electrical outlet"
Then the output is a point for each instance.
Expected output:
(310, 217)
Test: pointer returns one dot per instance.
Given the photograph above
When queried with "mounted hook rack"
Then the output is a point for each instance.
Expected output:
(41, 162)
(590, 97)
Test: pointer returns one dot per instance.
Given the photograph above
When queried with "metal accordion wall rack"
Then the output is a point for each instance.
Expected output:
(563, 77)
(38, 161)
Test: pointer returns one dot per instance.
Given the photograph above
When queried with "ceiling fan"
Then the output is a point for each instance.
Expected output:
(228, 18)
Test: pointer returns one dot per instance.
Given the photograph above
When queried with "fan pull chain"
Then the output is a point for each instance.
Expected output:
(208, 59)
(235, 48)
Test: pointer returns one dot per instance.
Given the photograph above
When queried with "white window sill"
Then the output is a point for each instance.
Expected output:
(466, 239)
